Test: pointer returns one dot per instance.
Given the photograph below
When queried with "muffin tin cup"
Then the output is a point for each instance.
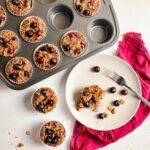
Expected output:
(100, 31)
(13, 80)
(29, 18)
(60, 17)
(44, 68)
(85, 41)
(21, 15)
(5, 17)
(18, 44)
(84, 15)
(50, 11)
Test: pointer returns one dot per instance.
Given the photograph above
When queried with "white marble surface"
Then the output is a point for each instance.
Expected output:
(17, 115)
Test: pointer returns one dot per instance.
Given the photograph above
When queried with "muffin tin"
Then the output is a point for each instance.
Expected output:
(100, 30)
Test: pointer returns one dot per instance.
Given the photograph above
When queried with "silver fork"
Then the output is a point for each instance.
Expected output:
(121, 81)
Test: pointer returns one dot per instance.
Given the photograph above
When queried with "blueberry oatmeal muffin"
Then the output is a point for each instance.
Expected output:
(90, 97)
(44, 100)
(18, 70)
(46, 56)
(2, 16)
(87, 7)
(9, 43)
(33, 29)
(19, 7)
(73, 43)
(52, 133)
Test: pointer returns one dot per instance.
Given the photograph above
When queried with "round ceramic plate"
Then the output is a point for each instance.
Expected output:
(81, 76)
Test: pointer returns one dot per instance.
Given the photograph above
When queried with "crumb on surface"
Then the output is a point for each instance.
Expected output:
(28, 133)
(122, 101)
(106, 115)
(110, 108)
(20, 145)
(113, 111)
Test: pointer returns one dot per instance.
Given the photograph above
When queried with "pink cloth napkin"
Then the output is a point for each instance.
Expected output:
(132, 50)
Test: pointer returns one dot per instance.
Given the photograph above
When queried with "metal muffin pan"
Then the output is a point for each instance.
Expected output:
(101, 31)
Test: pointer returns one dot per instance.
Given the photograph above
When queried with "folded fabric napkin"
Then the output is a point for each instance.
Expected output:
(132, 50)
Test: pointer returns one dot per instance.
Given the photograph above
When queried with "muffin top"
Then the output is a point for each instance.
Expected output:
(46, 56)
(2, 16)
(33, 29)
(9, 43)
(87, 7)
(73, 43)
(18, 70)
(19, 7)
(44, 100)
(52, 133)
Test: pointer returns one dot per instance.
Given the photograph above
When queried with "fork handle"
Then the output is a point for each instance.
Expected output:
(138, 96)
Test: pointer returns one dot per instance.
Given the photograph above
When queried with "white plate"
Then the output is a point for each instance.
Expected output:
(81, 76)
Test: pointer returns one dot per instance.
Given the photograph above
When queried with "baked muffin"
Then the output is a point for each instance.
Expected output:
(9, 43)
(90, 97)
(52, 133)
(44, 100)
(87, 7)
(2, 16)
(73, 43)
(33, 29)
(46, 56)
(19, 7)
(18, 70)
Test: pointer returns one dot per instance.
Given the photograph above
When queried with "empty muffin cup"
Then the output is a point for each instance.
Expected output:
(100, 31)
(46, 56)
(73, 43)
(2, 16)
(60, 17)
(52, 134)
(18, 70)
(19, 7)
(44, 100)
